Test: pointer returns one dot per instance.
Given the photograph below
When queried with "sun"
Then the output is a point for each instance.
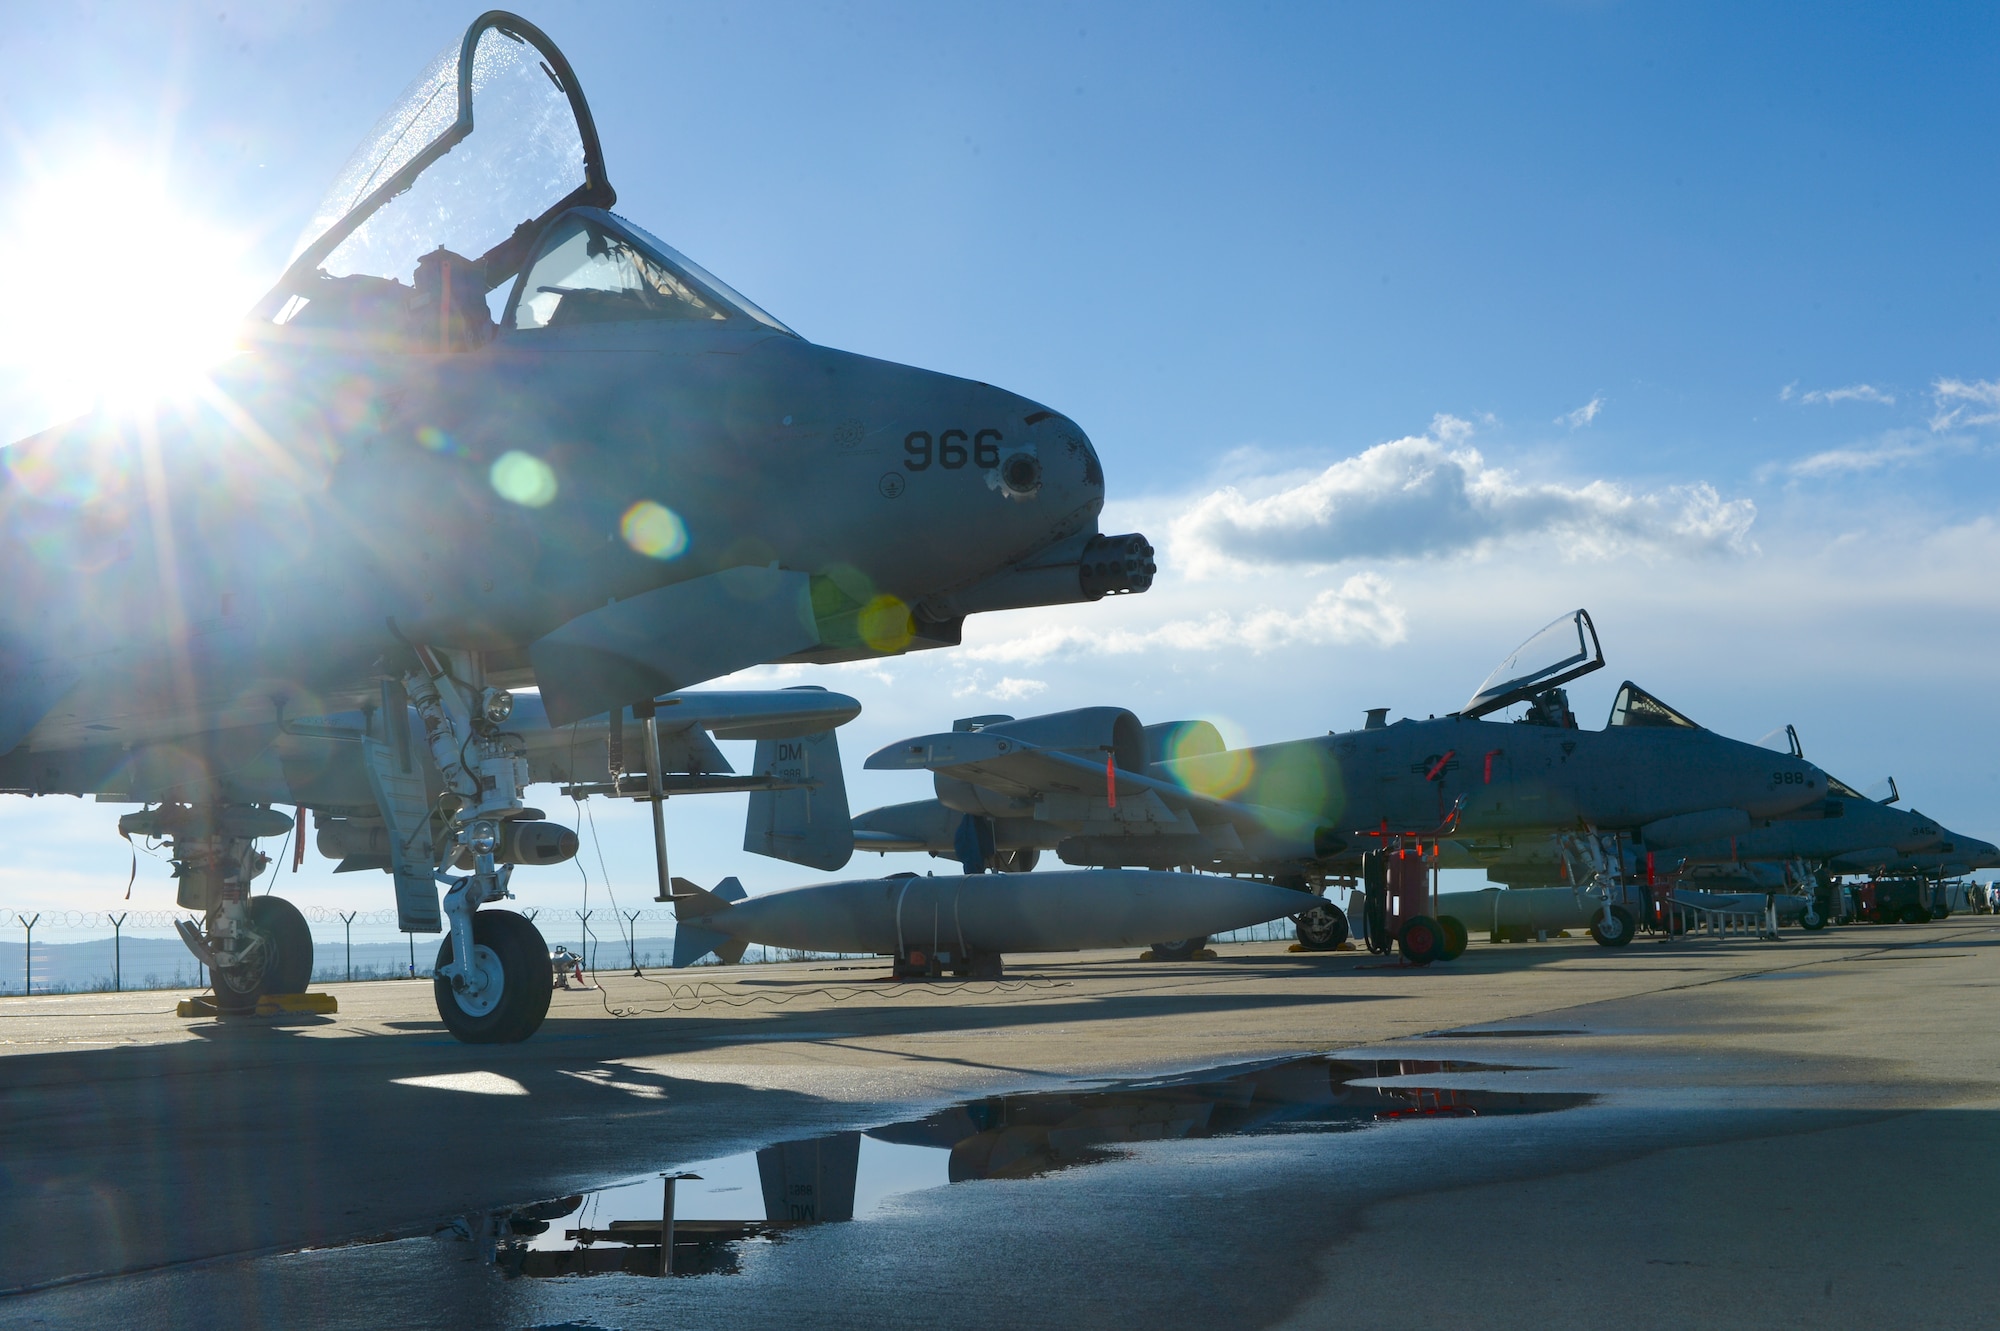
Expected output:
(119, 294)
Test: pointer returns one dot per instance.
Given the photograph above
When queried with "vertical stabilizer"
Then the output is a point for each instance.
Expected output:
(807, 824)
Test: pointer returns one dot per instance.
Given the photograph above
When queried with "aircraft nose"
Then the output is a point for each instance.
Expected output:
(1782, 785)
(1052, 460)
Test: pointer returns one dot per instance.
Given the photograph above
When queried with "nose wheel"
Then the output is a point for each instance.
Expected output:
(503, 995)
(1614, 926)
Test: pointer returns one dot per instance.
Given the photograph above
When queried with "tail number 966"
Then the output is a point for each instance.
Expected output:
(951, 450)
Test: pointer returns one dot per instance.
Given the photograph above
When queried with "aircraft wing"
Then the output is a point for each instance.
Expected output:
(29, 693)
(1012, 767)
(756, 714)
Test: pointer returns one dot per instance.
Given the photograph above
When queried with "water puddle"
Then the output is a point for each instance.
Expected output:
(720, 1205)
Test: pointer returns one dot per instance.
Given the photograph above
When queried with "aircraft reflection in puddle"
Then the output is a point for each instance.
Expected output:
(759, 1196)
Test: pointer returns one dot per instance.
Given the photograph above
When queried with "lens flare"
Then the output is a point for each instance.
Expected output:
(1218, 775)
(435, 440)
(524, 479)
(654, 530)
(1211, 758)
(886, 624)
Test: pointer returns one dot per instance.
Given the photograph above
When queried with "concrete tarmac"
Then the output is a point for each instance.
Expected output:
(1782, 1134)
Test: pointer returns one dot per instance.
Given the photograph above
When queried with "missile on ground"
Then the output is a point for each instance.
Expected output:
(967, 922)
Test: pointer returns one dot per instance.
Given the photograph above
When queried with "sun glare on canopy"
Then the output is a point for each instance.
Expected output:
(120, 294)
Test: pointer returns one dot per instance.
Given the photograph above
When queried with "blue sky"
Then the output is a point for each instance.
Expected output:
(1401, 329)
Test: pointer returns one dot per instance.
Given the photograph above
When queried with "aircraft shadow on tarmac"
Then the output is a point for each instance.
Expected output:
(259, 1137)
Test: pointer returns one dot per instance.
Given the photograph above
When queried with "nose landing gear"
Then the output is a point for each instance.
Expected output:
(492, 981)
(514, 984)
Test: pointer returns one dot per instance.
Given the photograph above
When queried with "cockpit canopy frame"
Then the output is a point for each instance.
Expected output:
(1564, 650)
(503, 261)
(1636, 708)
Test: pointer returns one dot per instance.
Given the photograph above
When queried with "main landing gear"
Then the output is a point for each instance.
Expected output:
(251, 945)
(1180, 949)
(1320, 927)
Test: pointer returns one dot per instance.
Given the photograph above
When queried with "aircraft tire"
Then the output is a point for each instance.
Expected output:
(1179, 949)
(515, 947)
(1320, 927)
(288, 955)
(1614, 927)
(1421, 940)
(1017, 861)
(1456, 938)
(289, 969)
(1812, 921)
(1375, 915)
(229, 998)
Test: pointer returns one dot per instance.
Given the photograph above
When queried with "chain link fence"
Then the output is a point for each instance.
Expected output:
(81, 951)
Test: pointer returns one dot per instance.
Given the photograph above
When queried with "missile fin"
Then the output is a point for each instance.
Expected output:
(696, 903)
(692, 944)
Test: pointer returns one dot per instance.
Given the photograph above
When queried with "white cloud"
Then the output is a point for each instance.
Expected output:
(1892, 450)
(1583, 415)
(1429, 496)
(1009, 688)
(1358, 612)
(1851, 393)
(1957, 403)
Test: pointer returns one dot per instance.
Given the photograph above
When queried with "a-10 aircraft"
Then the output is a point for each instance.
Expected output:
(1848, 833)
(485, 434)
(1099, 788)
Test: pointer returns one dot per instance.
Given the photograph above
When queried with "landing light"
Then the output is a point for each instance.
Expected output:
(496, 705)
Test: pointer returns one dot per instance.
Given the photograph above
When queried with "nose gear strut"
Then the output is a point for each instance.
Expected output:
(492, 980)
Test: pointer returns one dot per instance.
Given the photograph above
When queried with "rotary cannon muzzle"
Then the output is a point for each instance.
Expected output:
(1116, 565)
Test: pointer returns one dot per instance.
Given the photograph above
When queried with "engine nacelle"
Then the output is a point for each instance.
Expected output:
(1170, 740)
(1089, 732)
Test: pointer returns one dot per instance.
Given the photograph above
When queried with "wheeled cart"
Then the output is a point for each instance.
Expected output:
(1400, 882)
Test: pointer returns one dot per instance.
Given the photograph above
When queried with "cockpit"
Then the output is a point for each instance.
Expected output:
(1635, 707)
(479, 204)
(1535, 672)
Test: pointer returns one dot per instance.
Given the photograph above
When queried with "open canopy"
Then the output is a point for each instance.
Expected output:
(1635, 707)
(490, 143)
(1561, 652)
